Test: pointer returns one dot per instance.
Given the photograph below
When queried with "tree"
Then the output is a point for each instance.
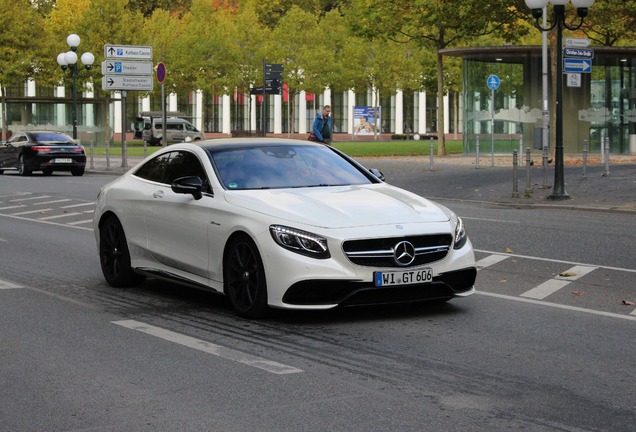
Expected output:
(435, 25)
(295, 44)
(19, 47)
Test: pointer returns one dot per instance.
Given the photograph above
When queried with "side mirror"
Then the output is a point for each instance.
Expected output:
(376, 172)
(188, 185)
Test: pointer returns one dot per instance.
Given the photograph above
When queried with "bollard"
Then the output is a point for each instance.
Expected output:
(585, 150)
(528, 163)
(432, 151)
(515, 186)
(477, 150)
(90, 152)
(607, 152)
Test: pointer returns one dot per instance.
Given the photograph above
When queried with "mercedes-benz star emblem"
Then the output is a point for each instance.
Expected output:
(404, 253)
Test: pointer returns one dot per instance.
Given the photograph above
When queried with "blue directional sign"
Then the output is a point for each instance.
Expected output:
(578, 53)
(576, 65)
(493, 82)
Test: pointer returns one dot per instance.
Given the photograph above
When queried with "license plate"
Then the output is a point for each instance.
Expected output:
(62, 160)
(405, 277)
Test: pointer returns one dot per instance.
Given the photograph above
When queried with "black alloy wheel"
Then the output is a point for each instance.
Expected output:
(78, 172)
(244, 276)
(114, 256)
(22, 169)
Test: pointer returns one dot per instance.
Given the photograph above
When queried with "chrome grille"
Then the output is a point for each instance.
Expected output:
(381, 252)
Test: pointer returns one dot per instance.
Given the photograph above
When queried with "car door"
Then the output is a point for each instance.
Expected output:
(9, 151)
(177, 224)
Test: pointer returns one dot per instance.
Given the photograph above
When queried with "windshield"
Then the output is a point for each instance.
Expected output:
(284, 166)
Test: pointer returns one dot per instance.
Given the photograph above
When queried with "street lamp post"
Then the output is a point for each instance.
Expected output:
(69, 60)
(558, 22)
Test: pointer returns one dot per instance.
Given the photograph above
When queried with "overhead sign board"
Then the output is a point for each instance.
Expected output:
(578, 53)
(127, 67)
(128, 52)
(274, 67)
(577, 43)
(127, 82)
(575, 65)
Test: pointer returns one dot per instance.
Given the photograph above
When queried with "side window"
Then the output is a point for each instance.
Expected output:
(191, 128)
(173, 126)
(183, 164)
(153, 169)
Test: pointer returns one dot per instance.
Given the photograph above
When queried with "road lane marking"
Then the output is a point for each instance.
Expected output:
(30, 198)
(31, 211)
(558, 282)
(558, 261)
(45, 222)
(490, 260)
(79, 205)
(8, 285)
(59, 216)
(11, 207)
(545, 289)
(52, 202)
(631, 317)
(210, 348)
(82, 222)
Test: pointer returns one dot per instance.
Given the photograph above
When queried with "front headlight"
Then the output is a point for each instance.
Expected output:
(302, 242)
(460, 234)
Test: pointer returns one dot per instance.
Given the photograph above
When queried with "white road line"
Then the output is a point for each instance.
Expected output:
(8, 285)
(15, 194)
(545, 289)
(31, 211)
(633, 312)
(79, 205)
(52, 202)
(30, 198)
(558, 261)
(576, 272)
(10, 207)
(59, 216)
(490, 260)
(82, 222)
(45, 222)
(210, 348)
(555, 284)
(558, 306)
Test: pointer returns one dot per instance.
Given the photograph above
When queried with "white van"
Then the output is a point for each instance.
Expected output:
(177, 130)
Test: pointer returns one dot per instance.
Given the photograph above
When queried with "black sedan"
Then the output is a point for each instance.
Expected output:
(44, 151)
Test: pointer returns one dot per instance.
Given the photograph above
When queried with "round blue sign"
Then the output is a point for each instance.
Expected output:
(493, 82)
(161, 72)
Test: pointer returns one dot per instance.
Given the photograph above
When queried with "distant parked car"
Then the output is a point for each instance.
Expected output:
(44, 151)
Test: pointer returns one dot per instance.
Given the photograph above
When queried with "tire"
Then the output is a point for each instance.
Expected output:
(114, 256)
(244, 276)
(22, 169)
(78, 172)
(47, 171)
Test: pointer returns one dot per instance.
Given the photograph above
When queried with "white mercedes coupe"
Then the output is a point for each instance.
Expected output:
(278, 223)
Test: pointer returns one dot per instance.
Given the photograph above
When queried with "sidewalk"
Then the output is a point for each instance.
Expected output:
(458, 178)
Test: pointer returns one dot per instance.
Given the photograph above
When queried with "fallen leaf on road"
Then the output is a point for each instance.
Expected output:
(629, 303)
(508, 250)
(578, 293)
(566, 274)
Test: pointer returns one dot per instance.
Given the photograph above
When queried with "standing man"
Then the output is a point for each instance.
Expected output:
(323, 126)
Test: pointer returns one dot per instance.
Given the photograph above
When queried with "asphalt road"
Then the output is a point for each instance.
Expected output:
(545, 344)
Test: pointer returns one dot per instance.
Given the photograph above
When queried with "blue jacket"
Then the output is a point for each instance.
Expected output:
(319, 122)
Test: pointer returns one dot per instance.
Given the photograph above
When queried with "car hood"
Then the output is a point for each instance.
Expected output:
(341, 206)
